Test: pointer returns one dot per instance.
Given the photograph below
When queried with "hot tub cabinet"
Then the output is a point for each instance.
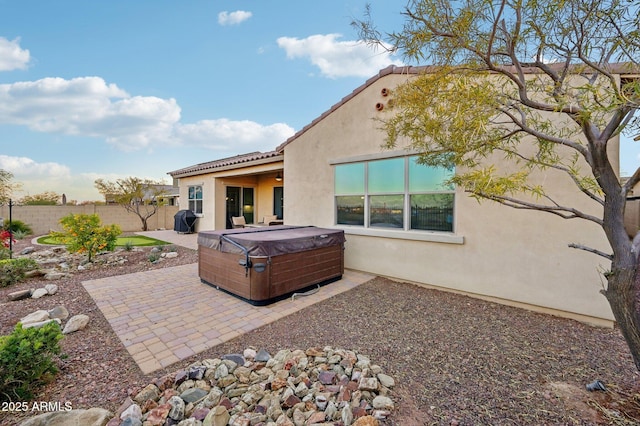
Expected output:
(262, 265)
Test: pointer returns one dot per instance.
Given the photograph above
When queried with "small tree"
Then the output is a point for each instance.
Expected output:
(83, 233)
(537, 85)
(47, 198)
(6, 186)
(141, 197)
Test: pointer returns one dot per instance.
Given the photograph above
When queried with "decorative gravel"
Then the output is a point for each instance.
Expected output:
(455, 360)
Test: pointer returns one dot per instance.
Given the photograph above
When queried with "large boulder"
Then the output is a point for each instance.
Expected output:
(90, 417)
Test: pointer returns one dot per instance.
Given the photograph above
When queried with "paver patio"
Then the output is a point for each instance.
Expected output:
(165, 315)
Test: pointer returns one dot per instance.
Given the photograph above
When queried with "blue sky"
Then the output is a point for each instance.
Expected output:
(118, 88)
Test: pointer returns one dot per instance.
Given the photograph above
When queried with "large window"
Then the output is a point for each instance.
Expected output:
(195, 199)
(394, 193)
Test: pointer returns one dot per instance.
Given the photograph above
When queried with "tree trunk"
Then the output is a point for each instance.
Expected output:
(144, 223)
(623, 296)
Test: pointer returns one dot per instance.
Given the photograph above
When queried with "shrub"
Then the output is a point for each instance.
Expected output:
(154, 257)
(13, 270)
(19, 235)
(17, 226)
(27, 360)
(83, 233)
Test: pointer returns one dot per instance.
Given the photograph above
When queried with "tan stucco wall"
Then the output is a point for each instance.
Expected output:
(632, 212)
(214, 188)
(519, 257)
(43, 219)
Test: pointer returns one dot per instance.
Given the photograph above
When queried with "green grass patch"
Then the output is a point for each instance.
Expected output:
(131, 240)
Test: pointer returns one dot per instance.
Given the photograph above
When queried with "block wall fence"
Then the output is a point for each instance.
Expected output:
(43, 219)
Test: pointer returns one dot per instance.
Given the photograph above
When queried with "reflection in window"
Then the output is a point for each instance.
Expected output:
(386, 211)
(350, 210)
(386, 176)
(424, 178)
(432, 212)
(350, 179)
(395, 193)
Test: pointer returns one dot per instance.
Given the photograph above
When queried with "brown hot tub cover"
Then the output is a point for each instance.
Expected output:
(262, 265)
(270, 241)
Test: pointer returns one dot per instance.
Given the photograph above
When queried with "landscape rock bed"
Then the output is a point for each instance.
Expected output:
(455, 360)
(294, 387)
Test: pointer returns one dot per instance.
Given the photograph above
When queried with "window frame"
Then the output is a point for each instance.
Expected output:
(406, 193)
(195, 200)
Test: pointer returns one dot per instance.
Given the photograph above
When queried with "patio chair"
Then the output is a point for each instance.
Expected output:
(238, 221)
(269, 220)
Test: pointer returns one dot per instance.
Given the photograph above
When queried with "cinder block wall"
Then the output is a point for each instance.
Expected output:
(43, 219)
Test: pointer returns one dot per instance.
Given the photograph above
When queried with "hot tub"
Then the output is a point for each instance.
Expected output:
(262, 265)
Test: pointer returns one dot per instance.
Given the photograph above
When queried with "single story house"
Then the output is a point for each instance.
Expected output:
(399, 220)
(249, 185)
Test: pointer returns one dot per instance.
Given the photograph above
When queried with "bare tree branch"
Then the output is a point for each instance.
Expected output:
(558, 210)
(591, 250)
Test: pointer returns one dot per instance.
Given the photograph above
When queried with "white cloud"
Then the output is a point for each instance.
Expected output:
(12, 56)
(23, 166)
(88, 106)
(228, 135)
(233, 18)
(337, 58)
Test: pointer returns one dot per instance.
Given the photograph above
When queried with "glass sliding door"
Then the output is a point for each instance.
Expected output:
(248, 209)
(278, 201)
(233, 204)
(240, 202)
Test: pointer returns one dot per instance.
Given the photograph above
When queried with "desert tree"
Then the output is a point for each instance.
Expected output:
(545, 86)
(141, 197)
(7, 186)
(47, 198)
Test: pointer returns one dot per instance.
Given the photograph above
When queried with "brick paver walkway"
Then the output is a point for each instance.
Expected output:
(165, 315)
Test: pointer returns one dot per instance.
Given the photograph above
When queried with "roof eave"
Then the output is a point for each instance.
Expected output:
(241, 165)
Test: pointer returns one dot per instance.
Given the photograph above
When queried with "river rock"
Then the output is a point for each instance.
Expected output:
(129, 421)
(27, 250)
(382, 403)
(366, 421)
(19, 295)
(294, 388)
(133, 411)
(193, 395)
(386, 381)
(347, 415)
(51, 289)
(76, 323)
(90, 417)
(38, 293)
(52, 276)
(158, 416)
(41, 323)
(37, 316)
(150, 392)
(177, 408)
(262, 356)
(218, 416)
(59, 312)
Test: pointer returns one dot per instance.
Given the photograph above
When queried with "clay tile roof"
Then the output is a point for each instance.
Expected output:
(229, 162)
(616, 68)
